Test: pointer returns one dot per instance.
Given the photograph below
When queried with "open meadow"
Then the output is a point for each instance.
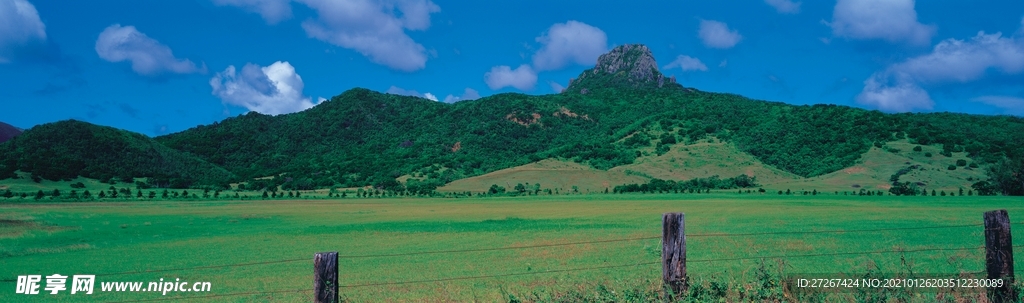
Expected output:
(272, 242)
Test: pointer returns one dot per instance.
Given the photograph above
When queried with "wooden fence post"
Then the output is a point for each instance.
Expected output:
(673, 252)
(325, 277)
(999, 254)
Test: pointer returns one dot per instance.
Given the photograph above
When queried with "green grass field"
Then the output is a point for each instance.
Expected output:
(111, 237)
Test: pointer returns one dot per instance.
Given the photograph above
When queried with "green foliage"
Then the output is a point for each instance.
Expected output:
(69, 149)
(697, 184)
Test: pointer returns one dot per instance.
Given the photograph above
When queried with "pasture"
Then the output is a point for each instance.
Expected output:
(189, 240)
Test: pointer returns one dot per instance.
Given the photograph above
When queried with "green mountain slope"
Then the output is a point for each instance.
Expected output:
(68, 149)
(619, 112)
(607, 117)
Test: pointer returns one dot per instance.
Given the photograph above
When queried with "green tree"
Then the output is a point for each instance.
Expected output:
(39, 194)
(55, 193)
(8, 194)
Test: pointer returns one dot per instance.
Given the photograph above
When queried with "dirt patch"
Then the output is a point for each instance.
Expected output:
(524, 121)
(457, 146)
(568, 113)
(854, 170)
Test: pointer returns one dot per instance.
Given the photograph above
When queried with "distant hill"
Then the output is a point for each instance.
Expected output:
(7, 132)
(68, 149)
(623, 114)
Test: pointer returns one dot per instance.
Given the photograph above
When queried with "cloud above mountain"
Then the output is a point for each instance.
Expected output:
(273, 90)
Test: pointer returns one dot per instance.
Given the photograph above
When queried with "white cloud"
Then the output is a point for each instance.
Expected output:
(19, 26)
(522, 78)
(273, 11)
(468, 94)
(569, 42)
(724, 63)
(320, 100)
(784, 6)
(272, 90)
(898, 87)
(716, 34)
(430, 97)
(950, 61)
(376, 29)
(894, 93)
(148, 56)
(687, 63)
(556, 87)
(1009, 105)
(889, 20)
(964, 61)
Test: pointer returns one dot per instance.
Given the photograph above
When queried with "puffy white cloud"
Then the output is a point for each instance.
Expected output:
(966, 60)
(272, 90)
(717, 34)
(894, 93)
(784, 6)
(1009, 105)
(148, 57)
(468, 94)
(522, 78)
(273, 11)
(376, 29)
(889, 20)
(430, 97)
(687, 63)
(569, 42)
(20, 26)
(951, 60)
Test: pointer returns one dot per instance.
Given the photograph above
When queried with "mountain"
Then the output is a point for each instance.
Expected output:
(68, 149)
(630, 65)
(622, 111)
(7, 132)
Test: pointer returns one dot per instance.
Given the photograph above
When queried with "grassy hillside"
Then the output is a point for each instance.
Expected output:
(546, 175)
(614, 115)
(621, 114)
(70, 149)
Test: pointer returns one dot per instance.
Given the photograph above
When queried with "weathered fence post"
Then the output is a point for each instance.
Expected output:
(325, 277)
(999, 255)
(673, 252)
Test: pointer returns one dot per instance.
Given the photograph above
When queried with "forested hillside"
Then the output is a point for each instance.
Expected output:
(610, 115)
(67, 149)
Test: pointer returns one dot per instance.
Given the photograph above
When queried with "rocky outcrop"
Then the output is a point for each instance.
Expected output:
(629, 65)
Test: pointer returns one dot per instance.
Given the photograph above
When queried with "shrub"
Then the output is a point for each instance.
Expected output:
(951, 167)
(928, 155)
(917, 148)
(961, 162)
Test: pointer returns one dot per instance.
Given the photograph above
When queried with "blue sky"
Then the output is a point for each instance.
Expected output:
(157, 67)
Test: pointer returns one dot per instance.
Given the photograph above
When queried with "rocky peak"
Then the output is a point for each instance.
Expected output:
(631, 65)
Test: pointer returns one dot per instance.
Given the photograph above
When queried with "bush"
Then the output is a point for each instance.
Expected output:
(951, 167)
(917, 148)
(928, 155)
(961, 162)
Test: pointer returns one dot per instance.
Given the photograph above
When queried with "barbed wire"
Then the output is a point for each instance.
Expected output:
(575, 270)
(528, 247)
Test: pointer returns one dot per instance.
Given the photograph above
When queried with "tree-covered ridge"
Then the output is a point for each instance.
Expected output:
(624, 110)
(67, 149)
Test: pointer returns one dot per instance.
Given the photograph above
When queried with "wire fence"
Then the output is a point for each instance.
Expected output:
(557, 245)
(706, 235)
